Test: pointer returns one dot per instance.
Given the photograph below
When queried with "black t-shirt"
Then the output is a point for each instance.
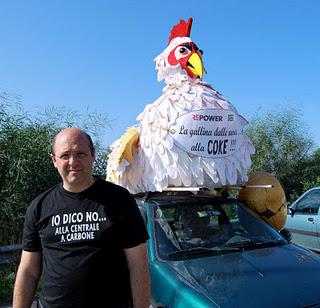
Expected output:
(82, 237)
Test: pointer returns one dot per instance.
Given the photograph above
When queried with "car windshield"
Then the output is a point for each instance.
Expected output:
(202, 226)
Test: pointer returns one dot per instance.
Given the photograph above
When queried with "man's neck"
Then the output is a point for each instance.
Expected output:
(79, 187)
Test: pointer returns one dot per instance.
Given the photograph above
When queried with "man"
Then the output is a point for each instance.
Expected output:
(85, 235)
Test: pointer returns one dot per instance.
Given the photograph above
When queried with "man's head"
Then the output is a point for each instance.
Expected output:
(73, 154)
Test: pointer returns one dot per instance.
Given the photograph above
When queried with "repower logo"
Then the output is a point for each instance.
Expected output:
(207, 118)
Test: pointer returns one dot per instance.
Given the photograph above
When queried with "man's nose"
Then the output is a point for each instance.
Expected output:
(73, 158)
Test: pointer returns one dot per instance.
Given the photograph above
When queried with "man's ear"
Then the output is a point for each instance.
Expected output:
(93, 154)
(53, 158)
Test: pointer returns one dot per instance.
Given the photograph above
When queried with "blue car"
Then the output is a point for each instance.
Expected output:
(303, 220)
(212, 251)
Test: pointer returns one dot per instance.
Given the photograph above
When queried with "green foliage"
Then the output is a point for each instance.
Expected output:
(26, 170)
(100, 165)
(312, 171)
(7, 277)
(25, 165)
(282, 147)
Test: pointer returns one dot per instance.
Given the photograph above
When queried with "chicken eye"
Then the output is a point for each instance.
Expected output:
(181, 52)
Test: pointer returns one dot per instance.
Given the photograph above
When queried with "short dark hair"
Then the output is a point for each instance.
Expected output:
(91, 146)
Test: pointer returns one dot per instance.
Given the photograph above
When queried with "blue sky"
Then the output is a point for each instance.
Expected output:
(261, 55)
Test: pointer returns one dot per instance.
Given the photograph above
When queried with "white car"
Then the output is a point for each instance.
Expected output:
(303, 220)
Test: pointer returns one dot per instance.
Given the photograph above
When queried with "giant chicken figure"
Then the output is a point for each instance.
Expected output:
(151, 157)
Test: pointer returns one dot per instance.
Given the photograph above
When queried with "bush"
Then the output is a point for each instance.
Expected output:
(25, 165)
(7, 278)
(311, 171)
(282, 147)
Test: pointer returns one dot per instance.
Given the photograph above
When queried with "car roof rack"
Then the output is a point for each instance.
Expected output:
(193, 189)
(151, 194)
(196, 189)
(187, 191)
(177, 191)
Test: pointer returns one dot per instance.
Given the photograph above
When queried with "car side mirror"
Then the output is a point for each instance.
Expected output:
(286, 234)
(291, 211)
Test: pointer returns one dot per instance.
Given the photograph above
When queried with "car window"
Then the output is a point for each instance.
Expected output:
(309, 203)
(208, 225)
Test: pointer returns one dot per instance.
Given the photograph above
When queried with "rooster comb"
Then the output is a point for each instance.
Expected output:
(181, 29)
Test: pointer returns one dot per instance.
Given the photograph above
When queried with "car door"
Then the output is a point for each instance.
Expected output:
(303, 222)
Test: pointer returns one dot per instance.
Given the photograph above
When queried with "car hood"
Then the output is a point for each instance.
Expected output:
(282, 276)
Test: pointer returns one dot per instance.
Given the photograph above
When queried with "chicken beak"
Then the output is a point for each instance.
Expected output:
(195, 65)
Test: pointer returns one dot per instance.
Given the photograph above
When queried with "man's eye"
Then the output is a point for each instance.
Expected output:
(81, 155)
(65, 156)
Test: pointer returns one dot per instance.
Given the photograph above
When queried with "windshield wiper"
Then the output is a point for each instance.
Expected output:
(202, 251)
(252, 244)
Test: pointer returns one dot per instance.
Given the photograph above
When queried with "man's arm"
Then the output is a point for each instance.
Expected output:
(137, 259)
(27, 279)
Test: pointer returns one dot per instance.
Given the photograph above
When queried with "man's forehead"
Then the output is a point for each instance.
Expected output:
(67, 141)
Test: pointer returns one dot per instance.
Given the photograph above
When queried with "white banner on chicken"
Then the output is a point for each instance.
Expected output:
(213, 133)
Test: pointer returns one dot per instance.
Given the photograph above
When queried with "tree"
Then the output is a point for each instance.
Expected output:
(282, 147)
(312, 171)
(25, 164)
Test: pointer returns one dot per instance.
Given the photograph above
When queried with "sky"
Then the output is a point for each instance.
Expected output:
(98, 56)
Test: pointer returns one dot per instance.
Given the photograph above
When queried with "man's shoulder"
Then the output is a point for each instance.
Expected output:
(113, 188)
(113, 194)
(46, 194)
